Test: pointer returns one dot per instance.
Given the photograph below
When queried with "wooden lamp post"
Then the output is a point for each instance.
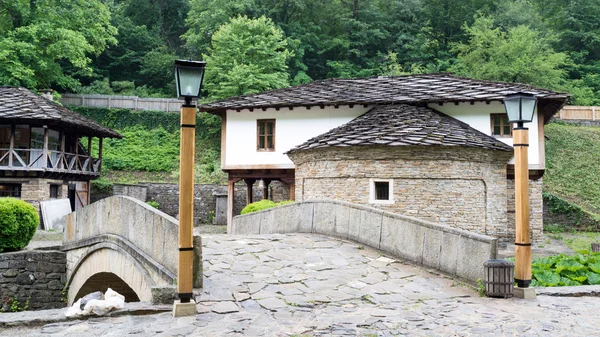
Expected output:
(188, 78)
(520, 108)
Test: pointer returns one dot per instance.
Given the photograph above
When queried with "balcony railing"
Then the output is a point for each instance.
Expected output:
(56, 161)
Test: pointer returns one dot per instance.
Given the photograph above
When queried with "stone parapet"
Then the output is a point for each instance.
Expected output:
(453, 251)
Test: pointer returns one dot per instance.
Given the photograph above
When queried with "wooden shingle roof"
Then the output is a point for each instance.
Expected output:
(403, 125)
(429, 88)
(22, 106)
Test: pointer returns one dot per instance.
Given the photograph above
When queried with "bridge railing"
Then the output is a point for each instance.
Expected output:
(150, 230)
(453, 251)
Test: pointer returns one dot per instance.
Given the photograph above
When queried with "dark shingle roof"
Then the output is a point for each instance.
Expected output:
(430, 88)
(21, 105)
(403, 125)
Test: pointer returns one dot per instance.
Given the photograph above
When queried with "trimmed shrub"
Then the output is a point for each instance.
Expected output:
(18, 223)
(263, 204)
(258, 206)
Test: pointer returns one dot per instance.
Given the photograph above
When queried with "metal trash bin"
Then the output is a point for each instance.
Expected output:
(499, 278)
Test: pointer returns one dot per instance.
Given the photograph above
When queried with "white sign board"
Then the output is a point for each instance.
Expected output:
(54, 210)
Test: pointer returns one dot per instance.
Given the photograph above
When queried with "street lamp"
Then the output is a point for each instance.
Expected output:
(188, 78)
(520, 108)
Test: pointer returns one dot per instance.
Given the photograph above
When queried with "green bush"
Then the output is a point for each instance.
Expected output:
(263, 204)
(563, 270)
(18, 223)
(153, 203)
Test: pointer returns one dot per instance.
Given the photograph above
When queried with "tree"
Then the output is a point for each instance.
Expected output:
(517, 55)
(247, 56)
(49, 42)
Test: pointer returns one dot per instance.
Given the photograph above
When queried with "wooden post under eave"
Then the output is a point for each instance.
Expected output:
(186, 204)
(230, 199)
(249, 184)
(266, 183)
(100, 154)
(522, 239)
(45, 152)
(62, 150)
(293, 191)
(11, 146)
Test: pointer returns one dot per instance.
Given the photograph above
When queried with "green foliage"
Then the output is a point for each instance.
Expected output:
(18, 223)
(47, 42)
(480, 286)
(142, 149)
(246, 56)
(563, 270)
(258, 206)
(102, 185)
(153, 203)
(263, 204)
(519, 54)
(572, 168)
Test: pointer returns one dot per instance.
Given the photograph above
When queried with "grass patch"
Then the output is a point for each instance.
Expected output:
(579, 242)
(572, 164)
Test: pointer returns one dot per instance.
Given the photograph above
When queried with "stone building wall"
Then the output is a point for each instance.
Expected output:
(536, 205)
(36, 276)
(34, 190)
(461, 187)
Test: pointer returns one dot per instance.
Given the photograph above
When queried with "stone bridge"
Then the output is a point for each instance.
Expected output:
(122, 243)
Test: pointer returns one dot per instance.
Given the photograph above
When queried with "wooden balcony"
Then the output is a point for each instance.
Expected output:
(55, 163)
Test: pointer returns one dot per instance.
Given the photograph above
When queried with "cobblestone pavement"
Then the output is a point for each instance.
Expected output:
(308, 285)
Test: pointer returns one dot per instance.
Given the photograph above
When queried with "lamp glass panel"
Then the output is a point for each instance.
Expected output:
(189, 81)
(527, 108)
(512, 109)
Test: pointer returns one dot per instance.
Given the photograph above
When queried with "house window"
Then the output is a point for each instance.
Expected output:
(54, 191)
(266, 135)
(382, 191)
(10, 190)
(500, 125)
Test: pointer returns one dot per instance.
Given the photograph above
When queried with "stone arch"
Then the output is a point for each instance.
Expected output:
(102, 281)
(112, 259)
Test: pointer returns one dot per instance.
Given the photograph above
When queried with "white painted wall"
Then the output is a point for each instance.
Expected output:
(292, 128)
(478, 117)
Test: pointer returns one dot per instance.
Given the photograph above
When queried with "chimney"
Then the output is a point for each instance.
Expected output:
(47, 94)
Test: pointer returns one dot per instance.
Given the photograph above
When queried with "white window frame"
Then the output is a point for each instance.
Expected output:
(372, 194)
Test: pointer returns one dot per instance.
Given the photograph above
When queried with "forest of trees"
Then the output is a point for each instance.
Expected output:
(128, 46)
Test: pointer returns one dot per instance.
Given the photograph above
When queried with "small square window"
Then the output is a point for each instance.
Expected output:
(10, 190)
(382, 191)
(54, 191)
(500, 125)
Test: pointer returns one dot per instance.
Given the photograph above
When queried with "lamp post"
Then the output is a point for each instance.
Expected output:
(520, 108)
(188, 78)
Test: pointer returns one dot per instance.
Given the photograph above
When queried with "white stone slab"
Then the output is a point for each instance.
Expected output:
(54, 210)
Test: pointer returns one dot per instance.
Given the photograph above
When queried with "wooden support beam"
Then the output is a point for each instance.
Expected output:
(11, 146)
(266, 188)
(522, 239)
(249, 184)
(100, 154)
(230, 199)
(62, 150)
(45, 152)
(293, 191)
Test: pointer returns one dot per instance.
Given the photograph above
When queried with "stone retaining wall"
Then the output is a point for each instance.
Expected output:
(35, 276)
(167, 196)
(450, 250)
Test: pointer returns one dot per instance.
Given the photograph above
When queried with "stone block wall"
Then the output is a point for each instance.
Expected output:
(453, 251)
(36, 276)
(536, 205)
(135, 191)
(463, 188)
(34, 190)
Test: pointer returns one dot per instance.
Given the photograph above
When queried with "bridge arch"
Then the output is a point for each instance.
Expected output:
(127, 238)
(137, 270)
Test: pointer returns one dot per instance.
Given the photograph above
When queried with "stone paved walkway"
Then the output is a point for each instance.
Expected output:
(307, 285)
